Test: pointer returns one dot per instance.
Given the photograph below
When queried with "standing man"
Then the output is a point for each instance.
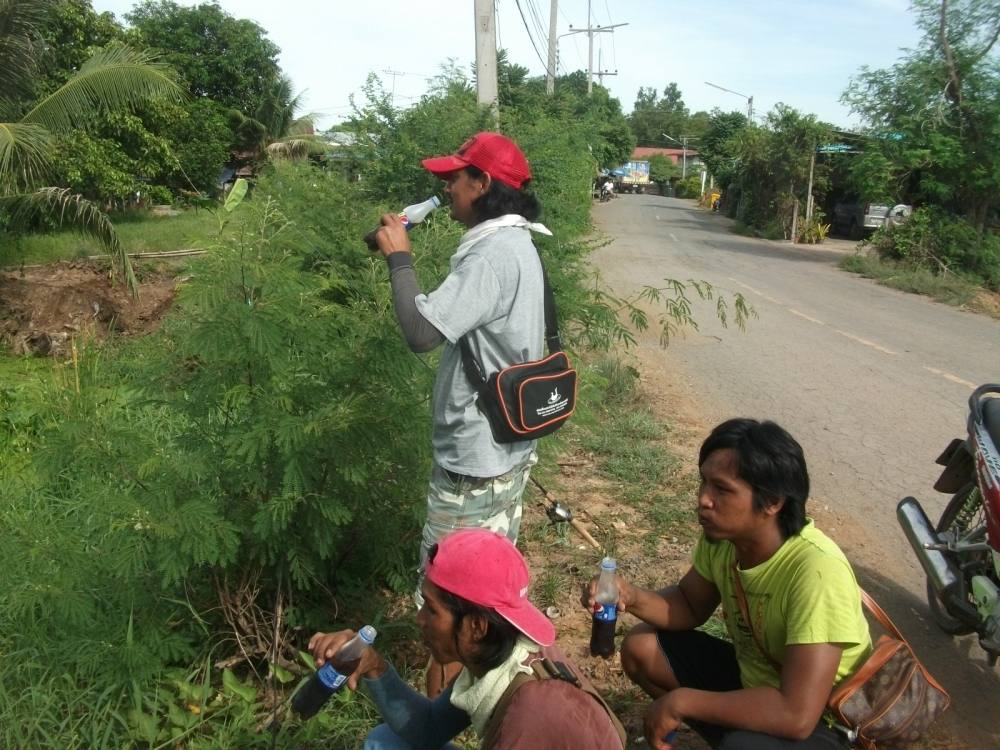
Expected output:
(790, 601)
(494, 297)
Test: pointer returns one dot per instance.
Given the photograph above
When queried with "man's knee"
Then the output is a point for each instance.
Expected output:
(640, 652)
(383, 738)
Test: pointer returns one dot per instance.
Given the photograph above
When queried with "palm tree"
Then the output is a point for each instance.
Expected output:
(275, 129)
(113, 78)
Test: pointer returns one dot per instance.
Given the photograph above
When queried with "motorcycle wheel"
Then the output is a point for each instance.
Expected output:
(957, 519)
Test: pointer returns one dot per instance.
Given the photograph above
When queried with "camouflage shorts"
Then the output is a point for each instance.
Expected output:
(455, 501)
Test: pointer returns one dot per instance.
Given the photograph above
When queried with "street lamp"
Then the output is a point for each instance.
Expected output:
(730, 91)
(684, 153)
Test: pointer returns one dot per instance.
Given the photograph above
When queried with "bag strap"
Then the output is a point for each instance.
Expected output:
(474, 372)
(866, 599)
(547, 669)
(741, 599)
(883, 619)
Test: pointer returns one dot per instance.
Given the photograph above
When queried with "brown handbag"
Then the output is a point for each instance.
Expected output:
(891, 700)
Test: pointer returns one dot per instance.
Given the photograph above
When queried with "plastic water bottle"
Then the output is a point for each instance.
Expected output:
(602, 633)
(411, 216)
(331, 677)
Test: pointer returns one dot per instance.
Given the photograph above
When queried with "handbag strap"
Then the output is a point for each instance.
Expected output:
(473, 370)
(741, 599)
(870, 604)
(883, 619)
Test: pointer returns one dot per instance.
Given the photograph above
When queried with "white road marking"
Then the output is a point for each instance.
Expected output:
(949, 376)
(674, 237)
(793, 311)
(866, 342)
(851, 336)
(757, 292)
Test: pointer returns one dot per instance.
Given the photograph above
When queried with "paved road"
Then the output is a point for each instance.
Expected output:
(872, 382)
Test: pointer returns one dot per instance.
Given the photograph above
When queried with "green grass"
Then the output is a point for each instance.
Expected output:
(139, 233)
(952, 290)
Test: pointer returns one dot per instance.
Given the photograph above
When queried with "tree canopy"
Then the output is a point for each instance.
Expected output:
(229, 60)
(933, 118)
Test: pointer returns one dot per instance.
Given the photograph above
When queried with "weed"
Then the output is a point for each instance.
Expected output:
(139, 233)
(548, 587)
(950, 289)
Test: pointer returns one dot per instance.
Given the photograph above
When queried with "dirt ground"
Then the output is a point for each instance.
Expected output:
(44, 308)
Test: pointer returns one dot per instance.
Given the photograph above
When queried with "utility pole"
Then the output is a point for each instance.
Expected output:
(550, 77)
(745, 96)
(394, 74)
(486, 56)
(684, 151)
(590, 31)
(809, 192)
(600, 70)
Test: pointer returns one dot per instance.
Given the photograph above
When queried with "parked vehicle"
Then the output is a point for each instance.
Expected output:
(633, 177)
(857, 219)
(961, 554)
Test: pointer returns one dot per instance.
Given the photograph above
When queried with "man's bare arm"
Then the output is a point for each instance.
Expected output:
(791, 711)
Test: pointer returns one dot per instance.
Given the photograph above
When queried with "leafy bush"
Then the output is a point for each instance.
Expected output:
(813, 231)
(943, 244)
(210, 492)
(690, 187)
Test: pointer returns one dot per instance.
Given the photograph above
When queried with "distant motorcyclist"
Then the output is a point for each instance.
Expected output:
(607, 190)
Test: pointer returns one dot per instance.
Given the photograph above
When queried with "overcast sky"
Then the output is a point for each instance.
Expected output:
(800, 52)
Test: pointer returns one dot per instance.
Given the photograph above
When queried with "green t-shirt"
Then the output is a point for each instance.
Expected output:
(805, 593)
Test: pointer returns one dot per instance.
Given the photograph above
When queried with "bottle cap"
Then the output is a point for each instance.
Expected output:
(368, 634)
(608, 563)
(436, 201)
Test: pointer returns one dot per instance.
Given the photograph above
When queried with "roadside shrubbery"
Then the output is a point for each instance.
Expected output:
(934, 240)
(180, 510)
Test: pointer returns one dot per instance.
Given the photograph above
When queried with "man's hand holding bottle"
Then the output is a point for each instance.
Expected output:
(324, 646)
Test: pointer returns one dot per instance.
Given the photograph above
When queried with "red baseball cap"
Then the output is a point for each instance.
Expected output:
(490, 152)
(486, 569)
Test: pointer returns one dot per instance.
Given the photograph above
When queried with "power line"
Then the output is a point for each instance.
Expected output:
(545, 65)
(536, 16)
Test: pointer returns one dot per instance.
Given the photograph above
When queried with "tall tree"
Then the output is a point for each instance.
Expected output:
(934, 116)
(115, 78)
(652, 116)
(227, 59)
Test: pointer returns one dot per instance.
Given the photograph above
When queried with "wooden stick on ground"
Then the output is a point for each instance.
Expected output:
(580, 528)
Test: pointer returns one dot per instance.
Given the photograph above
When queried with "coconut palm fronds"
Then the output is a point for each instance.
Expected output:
(24, 156)
(67, 208)
(116, 77)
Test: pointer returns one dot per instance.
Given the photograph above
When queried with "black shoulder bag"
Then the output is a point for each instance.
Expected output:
(532, 399)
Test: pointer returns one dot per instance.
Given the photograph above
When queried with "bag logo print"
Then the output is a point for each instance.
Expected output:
(556, 404)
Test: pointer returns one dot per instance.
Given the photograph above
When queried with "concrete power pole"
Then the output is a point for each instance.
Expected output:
(601, 72)
(550, 78)
(590, 31)
(486, 56)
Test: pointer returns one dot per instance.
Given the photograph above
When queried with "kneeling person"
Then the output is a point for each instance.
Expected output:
(476, 612)
(790, 601)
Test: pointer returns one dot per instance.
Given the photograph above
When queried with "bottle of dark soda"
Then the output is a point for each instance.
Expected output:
(331, 677)
(602, 634)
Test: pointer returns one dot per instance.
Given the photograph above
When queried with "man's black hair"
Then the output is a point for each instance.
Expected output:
(502, 199)
(498, 643)
(771, 461)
